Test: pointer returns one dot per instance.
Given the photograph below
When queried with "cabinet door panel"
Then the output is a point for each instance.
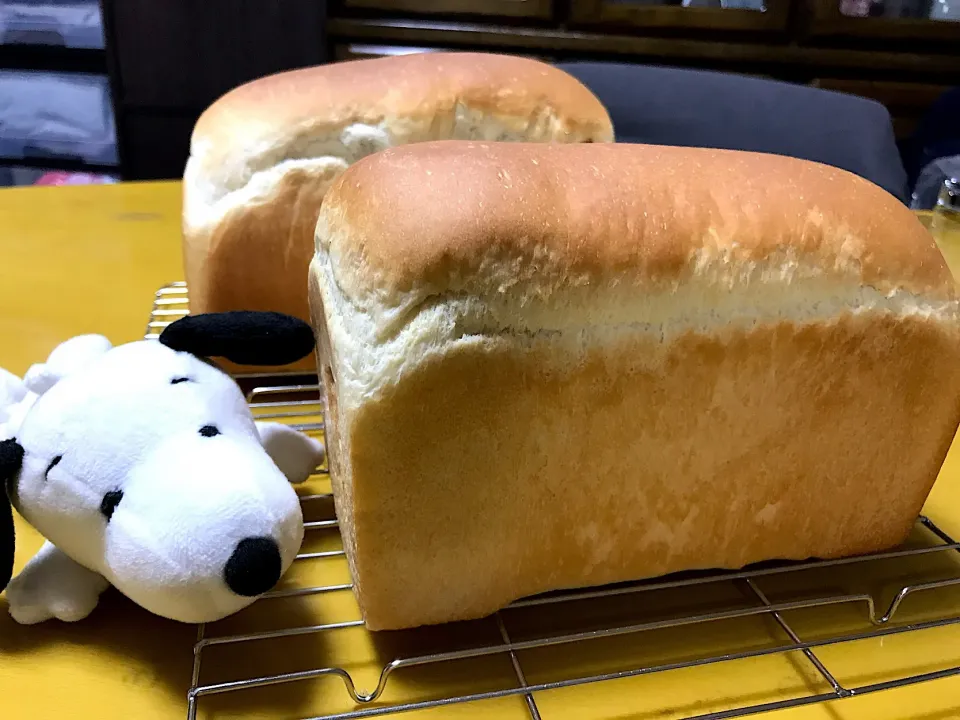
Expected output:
(502, 8)
(769, 15)
(906, 20)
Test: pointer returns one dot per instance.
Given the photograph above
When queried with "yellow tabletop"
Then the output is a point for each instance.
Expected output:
(89, 259)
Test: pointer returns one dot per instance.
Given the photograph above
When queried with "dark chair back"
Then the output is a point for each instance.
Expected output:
(936, 136)
(675, 106)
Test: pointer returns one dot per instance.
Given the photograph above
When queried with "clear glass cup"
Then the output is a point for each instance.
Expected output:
(945, 223)
(930, 183)
(948, 199)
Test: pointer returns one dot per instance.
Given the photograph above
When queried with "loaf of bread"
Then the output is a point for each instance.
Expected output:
(263, 155)
(557, 366)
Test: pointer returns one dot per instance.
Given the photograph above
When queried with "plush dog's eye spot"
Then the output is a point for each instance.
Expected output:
(11, 461)
(110, 502)
(209, 430)
(53, 464)
(178, 380)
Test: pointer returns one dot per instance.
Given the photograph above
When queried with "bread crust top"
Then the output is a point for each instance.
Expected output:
(485, 218)
(313, 111)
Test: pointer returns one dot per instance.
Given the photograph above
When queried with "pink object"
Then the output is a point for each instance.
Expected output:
(69, 178)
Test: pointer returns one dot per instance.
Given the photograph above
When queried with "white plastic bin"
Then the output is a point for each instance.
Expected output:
(69, 23)
(56, 115)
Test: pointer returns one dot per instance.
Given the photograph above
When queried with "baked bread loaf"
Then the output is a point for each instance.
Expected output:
(263, 155)
(556, 366)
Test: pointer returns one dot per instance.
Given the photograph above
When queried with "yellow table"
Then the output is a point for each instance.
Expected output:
(89, 259)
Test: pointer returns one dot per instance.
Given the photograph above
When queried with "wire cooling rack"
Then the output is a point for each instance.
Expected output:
(585, 637)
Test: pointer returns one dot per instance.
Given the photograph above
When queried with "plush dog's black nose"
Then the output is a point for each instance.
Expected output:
(254, 566)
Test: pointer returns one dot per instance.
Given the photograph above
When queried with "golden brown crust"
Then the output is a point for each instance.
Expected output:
(416, 88)
(251, 259)
(555, 367)
(336, 443)
(481, 478)
(448, 216)
(263, 155)
(218, 281)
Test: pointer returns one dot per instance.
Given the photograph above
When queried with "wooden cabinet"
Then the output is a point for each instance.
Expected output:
(363, 51)
(502, 8)
(899, 57)
(172, 58)
(896, 20)
(705, 14)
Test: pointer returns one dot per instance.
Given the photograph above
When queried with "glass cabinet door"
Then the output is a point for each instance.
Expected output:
(934, 20)
(711, 14)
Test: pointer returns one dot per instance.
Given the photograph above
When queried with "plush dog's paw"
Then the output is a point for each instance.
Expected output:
(53, 586)
(296, 454)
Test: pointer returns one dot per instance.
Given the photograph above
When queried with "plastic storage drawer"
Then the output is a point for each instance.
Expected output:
(76, 24)
(56, 115)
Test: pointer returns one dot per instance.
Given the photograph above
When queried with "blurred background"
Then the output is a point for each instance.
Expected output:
(108, 90)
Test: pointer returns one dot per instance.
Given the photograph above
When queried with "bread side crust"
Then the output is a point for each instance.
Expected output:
(336, 441)
(337, 109)
(488, 473)
(481, 453)
(252, 189)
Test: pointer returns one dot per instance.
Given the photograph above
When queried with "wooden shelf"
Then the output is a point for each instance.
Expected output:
(493, 8)
(557, 41)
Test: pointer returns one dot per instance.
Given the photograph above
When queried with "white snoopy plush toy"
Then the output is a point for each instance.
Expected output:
(143, 468)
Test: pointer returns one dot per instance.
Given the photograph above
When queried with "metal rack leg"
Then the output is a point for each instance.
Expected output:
(195, 676)
(531, 703)
(935, 529)
(171, 302)
(811, 656)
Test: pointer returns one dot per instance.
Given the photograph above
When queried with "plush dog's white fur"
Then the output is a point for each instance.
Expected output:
(197, 474)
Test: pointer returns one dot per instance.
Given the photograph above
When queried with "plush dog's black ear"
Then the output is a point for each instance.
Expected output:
(244, 337)
(11, 460)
